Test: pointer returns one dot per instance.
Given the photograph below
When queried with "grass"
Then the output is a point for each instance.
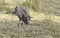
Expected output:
(41, 26)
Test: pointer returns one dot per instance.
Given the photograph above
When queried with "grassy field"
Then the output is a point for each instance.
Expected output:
(41, 26)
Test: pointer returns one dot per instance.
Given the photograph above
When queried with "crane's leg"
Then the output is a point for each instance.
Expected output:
(18, 23)
(21, 23)
(22, 26)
